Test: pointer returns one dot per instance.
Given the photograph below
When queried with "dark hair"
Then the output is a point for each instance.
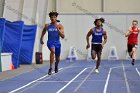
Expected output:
(53, 14)
(101, 19)
(135, 21)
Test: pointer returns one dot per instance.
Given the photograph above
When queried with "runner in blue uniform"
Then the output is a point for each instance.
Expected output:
(55, 31)
(97, 43)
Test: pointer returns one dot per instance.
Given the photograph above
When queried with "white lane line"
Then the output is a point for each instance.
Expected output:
(37, 80)
(71, 81)
(81, 81)
(54, 81)
(76, 89)
(128, 66)
(138, 71)
(107, 81)
(13, 91)
(126, 80)
(37, 83)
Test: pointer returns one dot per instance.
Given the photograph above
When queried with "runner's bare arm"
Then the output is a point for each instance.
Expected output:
(139, 29)
(61, 30)
(87, 37)
(105, 38)
(43, 33)
(128, 32)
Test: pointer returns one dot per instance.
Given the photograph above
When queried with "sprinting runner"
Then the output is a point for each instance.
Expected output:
(97, 43)
(55, 31)
(132, 42)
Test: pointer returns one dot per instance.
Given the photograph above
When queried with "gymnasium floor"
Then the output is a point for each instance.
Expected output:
(77, 77)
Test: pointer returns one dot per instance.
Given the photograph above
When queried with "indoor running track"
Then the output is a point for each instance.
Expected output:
(78, 77)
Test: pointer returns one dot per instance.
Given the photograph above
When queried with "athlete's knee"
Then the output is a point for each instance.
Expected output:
(129, 53)
(93, 54)
(134, 50)
(99, 59)
(52, 51)
(93, 57)
(57, 58)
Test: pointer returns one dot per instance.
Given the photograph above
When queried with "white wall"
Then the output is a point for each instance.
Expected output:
(77, 26)
(122, 6)
(68, 6)
(12, 9)
(1, 7)
(96, 6)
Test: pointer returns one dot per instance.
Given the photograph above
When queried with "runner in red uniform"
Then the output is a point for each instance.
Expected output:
(132, 43)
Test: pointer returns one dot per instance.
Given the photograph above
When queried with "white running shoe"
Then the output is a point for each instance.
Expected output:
(96, 71)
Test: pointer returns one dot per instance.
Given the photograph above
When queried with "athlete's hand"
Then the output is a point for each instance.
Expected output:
(129, 32)
(41, 41)
(88, 46)
(57, 26)
(102, 45)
